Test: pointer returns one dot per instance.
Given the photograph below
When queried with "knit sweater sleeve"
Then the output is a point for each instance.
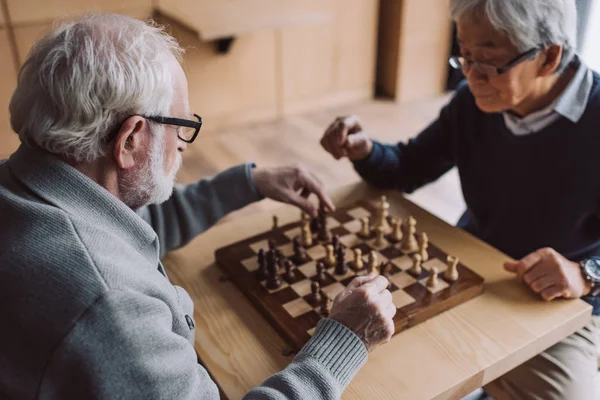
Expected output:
(408, 166)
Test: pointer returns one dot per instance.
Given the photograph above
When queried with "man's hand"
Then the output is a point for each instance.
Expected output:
(292, 185)
(346, 138)
(550, 274)
(366, 308)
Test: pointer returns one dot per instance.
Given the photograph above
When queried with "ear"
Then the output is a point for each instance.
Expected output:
(131, 139)
(551, 57)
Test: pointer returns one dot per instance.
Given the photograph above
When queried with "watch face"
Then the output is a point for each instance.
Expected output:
(592, 268)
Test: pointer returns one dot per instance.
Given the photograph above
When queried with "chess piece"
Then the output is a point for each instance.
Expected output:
(335, 242)
(340, 267)
(329, 256)
(372, 263)
(379, 237)
(315, 292)
(416, 268)
(396, 229)
(306, 234)
(382, 214)
(384, 269)
(324, 234)
(321, 272)
(273, 280)
(275, 222)
(262, 272)
(358, 261)
(451, 273)
(290, 275)
(432, 282)
(423, 245)
(300, 256)
(409, 241)
(365, 231)
(304, 218)
(325, 305)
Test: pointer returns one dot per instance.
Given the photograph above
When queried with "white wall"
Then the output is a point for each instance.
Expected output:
(591, 45)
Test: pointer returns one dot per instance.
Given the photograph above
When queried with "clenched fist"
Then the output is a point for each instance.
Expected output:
(366, 308)
(346, 138)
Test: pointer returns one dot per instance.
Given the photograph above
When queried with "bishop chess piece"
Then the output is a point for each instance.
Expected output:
(290, 274)
(416, 268)
(329, 256)
(307, 240)
(300, 256)
(396, 229)
(433, 279)
(382, 214)
(423, 245)
(372, 263)
(358, 261)
(451, 273)
(335, 242)
(275, 222)
(340, 267)
(315, 292)
(262, 272)
(409, 241)
(365, 230)
(273, 280)
(379, 237)
(321, 272)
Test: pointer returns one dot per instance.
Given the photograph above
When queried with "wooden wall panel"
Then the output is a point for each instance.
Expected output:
(33, 11)
(26, 36)
(8, 140)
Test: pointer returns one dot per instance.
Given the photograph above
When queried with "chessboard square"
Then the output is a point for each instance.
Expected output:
(311, 331)
(297, 307)
(402, 280)
(340, 278)
(350, 240)
(339, 231)
(302, 287)
(442, 284)
(251, 264)
(284, 285)
(287, 249)
(353, 226)
(435, 262)
(263, 244)
(332, 223)
(359, 213)
(309, 269)
(316, 252)
(373, 244)
(334, 289)
(401, 299)
(404, 262)
(292, 233)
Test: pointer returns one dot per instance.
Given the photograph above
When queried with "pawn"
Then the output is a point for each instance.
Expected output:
(423, 245)
(340, 267)
(432, 282)
(262, 272)
(315, 292)
(325, 305)
(365, 231)
(273, 280)
(307, 240)
(275, 222)
(358, 261)
(396, 230)
(320, 272)
(451, 273)
(372, 263)
(379, 238)
(329, 256)
(416, 268)
(290, 275)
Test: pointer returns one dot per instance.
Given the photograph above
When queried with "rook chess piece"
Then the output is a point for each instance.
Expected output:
(396, 229)
(315, 292)
(382, 214)
(365, 230)
(416, 268)
(262, 272)
(451, 273)
(321, 272)
(325, 305)
(432, 282)
(423, 245)
(290, 275)
(358, 261)
(275, 222)
(372, 263)
(340, 267)
(329, 256)
(306, 235)
(409, 241)
(273, 280)
(300, 256)
(379, 238)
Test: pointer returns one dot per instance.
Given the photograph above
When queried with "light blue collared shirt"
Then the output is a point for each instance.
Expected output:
(571, 104)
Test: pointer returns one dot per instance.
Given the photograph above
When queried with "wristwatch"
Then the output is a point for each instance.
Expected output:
(590, 268)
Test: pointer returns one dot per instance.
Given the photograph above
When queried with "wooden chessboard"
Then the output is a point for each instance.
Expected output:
(289, 308)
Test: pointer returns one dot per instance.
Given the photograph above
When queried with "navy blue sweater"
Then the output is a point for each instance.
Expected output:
(522, 192)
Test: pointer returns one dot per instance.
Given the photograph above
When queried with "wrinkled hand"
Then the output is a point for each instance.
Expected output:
(550, 274)
(366, 308)
(346, 138)
(292, 185)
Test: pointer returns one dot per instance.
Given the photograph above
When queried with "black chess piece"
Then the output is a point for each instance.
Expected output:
(324, 234)
(273, 280)
(262, 272)
(340, 267)
(321, 272)
(300, 256)
(335, 242)
(290, 275)
(315, 289)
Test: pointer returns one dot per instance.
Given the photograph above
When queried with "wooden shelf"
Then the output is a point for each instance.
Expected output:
(218, 19)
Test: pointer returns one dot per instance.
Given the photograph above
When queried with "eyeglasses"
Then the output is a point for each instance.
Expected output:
(461, 63)
(187, 129)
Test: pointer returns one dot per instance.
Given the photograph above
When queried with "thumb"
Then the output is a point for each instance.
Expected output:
(361, 280)
(356, 140)
(511, 266)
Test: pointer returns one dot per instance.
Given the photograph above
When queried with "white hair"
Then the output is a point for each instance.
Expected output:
(529, 23)
(80, 82)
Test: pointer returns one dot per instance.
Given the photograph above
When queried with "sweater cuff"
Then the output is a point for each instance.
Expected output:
(338, 349)
(374, 159)
(249, 167)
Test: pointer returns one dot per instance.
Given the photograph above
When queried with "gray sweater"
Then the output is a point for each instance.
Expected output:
(87, 310)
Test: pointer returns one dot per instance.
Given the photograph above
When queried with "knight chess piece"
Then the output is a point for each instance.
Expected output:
(371, 263)
(365, 230)
(396, 229)
(300, 256)
(307, 240)
(416, 268)
(358, 261)
(409, 241)
(382, 213)
(262, 272)
(340, 267)
(451, 273)
(423, 245)
(433, 281)
(329, 256)
(273, 280)
(290, 274)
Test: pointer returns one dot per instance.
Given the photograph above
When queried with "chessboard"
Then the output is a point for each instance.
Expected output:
(292, 272)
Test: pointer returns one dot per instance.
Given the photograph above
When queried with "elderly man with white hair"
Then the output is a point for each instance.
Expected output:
(524, 133)
(87, 207)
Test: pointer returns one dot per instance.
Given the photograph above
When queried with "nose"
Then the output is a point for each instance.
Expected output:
(476, 76)
(181, 145)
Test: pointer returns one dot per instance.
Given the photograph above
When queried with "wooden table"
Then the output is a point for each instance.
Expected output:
(444, 358)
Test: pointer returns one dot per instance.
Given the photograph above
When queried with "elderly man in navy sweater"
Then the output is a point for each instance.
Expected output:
(524, 133)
